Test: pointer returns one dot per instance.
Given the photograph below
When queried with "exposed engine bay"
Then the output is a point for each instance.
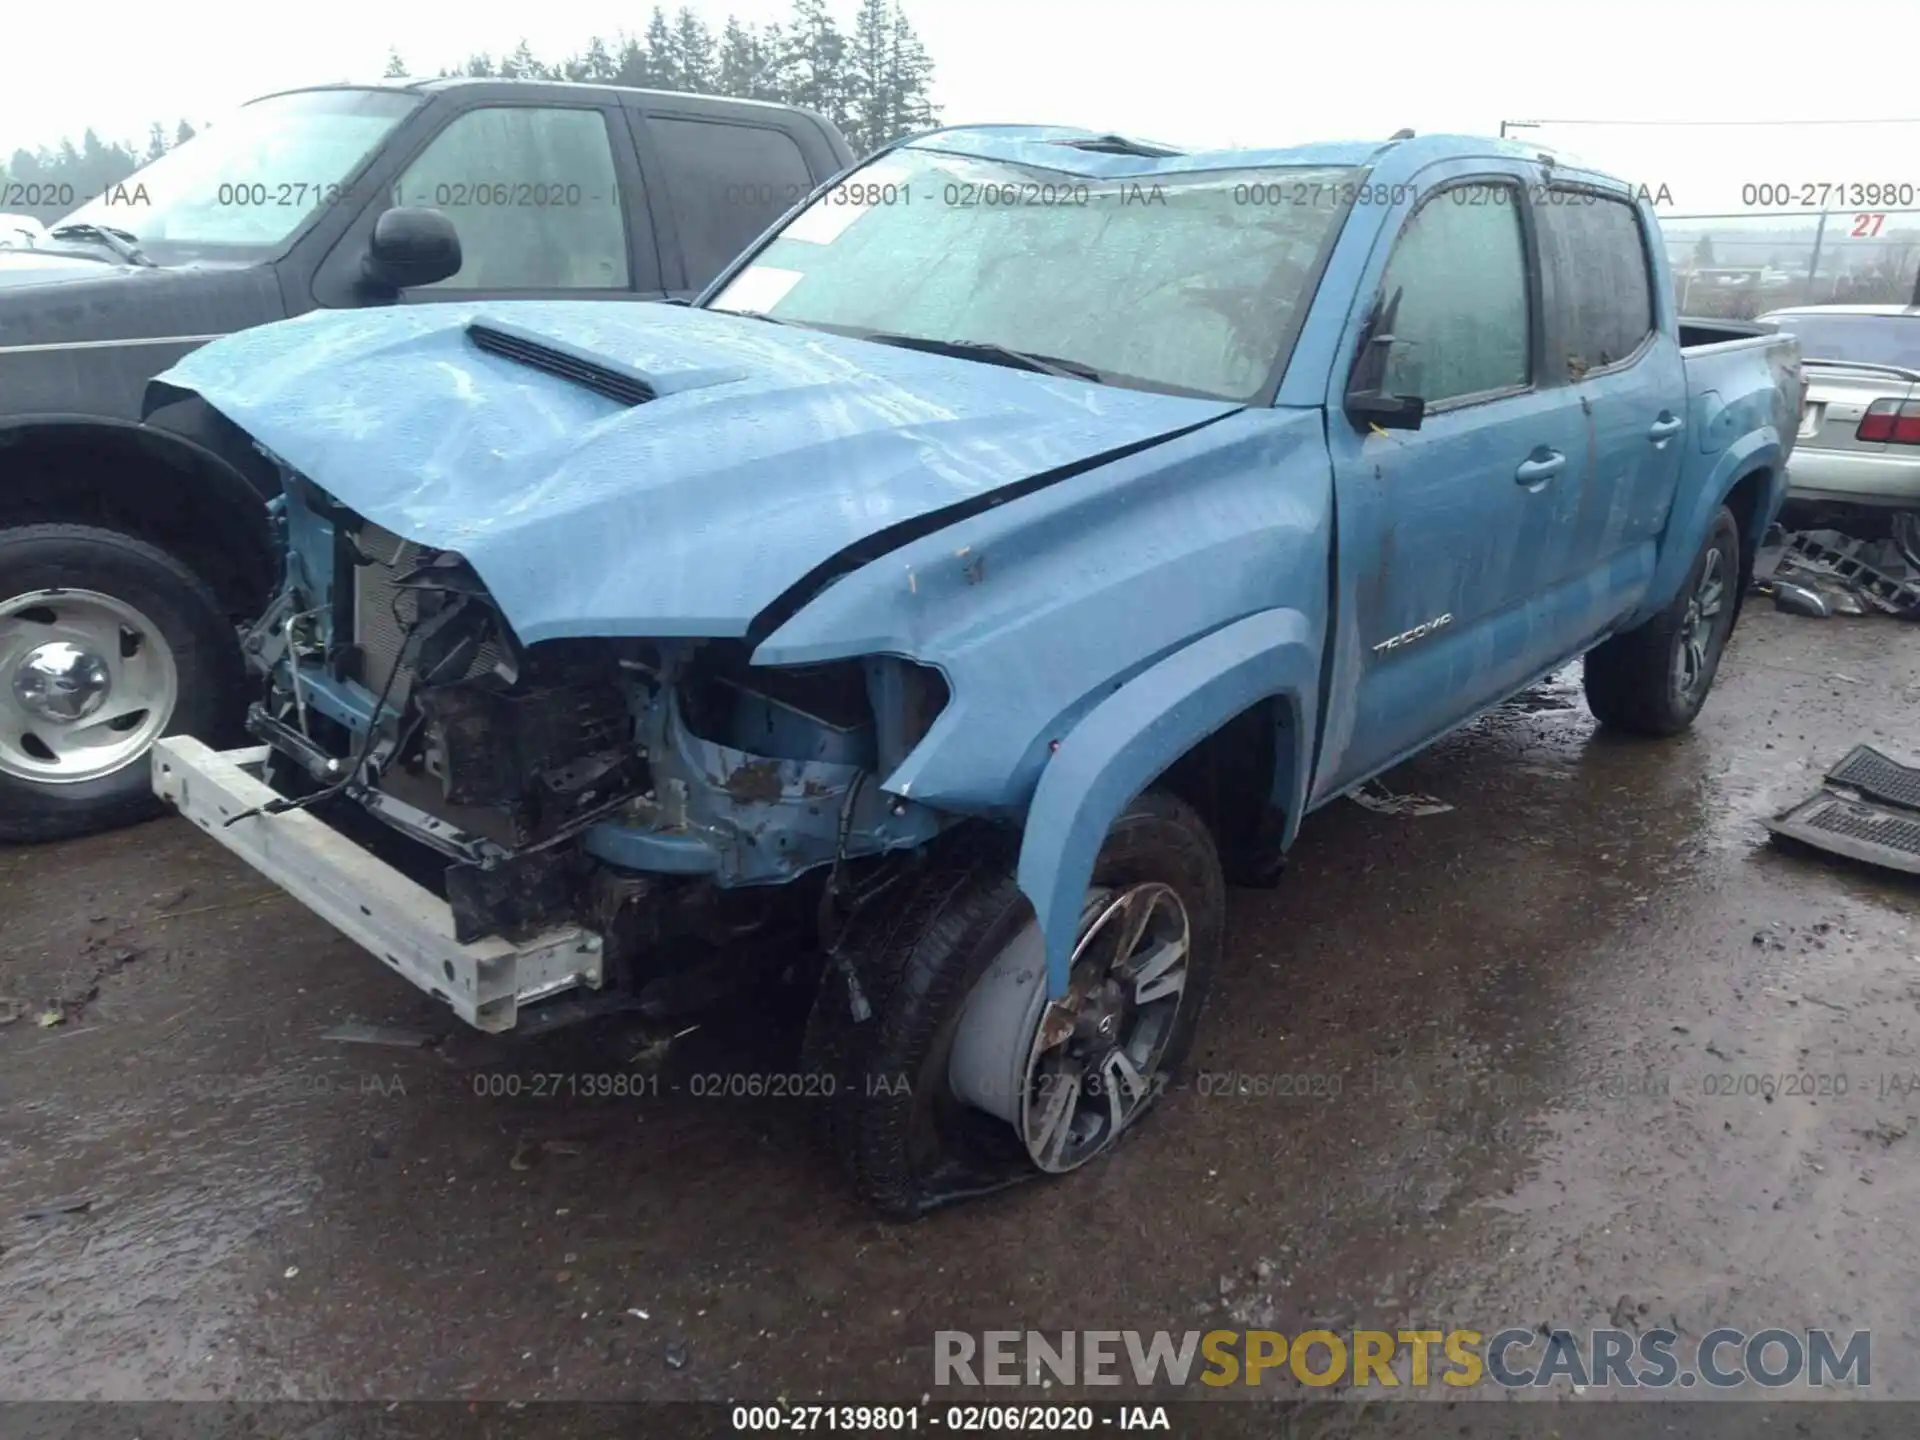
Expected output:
(657, 793)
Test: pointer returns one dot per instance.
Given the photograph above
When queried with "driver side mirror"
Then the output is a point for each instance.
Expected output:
(1366, 405)
(1368, 408)
(411, 245)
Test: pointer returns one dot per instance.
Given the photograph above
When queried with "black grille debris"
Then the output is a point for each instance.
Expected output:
(1878, 778)
(1868, 810)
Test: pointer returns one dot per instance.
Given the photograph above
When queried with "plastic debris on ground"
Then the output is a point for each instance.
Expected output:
(354, 1033)
(1867, 808)
(66, 1205)
(1850, 576)
(1383, 802)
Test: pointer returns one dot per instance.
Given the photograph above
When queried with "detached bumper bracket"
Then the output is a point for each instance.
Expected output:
(484, 982)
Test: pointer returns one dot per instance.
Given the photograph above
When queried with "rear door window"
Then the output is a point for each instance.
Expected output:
(726, 183)
(1597, 254)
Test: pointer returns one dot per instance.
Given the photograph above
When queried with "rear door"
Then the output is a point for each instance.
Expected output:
(723, 179)
(1606, 340)
(1446, 533)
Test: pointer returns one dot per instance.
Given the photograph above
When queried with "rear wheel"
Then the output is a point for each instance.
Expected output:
(106, 643)
(1653, 679)
(949, 1071)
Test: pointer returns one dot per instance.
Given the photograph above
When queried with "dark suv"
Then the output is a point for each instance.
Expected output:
(131, 542)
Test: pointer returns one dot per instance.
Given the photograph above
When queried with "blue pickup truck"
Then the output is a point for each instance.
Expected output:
(998, 560)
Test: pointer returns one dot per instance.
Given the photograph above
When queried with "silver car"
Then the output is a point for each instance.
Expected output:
(1859, 442)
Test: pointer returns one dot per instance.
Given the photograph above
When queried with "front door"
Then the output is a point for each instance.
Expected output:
(1445, 533)
(545, 197)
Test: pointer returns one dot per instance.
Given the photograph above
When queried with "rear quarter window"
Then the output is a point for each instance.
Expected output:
(726, 182)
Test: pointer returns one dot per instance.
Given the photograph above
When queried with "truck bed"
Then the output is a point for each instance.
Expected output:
(1697, 334)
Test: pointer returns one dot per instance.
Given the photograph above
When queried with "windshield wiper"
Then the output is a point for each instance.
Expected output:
(123, 243)
(989, 350)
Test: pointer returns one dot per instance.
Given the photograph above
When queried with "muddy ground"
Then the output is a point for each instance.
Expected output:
(1528, 1005)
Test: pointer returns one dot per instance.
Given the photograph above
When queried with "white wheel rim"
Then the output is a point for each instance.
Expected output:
(87, 683)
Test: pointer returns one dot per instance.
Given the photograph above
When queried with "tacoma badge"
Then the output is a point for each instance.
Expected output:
(1418, 632)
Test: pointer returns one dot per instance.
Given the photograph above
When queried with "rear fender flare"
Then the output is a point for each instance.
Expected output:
(1140, 730)
(1694, 512)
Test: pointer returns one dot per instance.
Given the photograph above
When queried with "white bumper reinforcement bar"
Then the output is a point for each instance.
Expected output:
(409, 927)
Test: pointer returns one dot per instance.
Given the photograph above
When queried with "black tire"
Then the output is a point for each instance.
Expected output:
(1906, 535)
(918, 952)
(205, 652)
(1633, 680)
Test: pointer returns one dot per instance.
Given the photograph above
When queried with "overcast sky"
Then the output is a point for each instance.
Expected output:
(1191, 71)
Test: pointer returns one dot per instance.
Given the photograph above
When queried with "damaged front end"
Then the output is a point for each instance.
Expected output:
(649, 799)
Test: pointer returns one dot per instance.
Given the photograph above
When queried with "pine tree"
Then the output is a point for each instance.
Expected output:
(156, 144)
(481, 64)
(396, 67)
(523, 64)
(912, 81)
(182, 133)
(661, 60)
(813, 62)
(693, 56)
(597, 64)
(738, 63)
(772, 83)
(871, 99)
(633, 66)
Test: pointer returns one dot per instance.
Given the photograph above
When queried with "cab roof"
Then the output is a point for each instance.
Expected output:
(1104, 153)
(427, 85)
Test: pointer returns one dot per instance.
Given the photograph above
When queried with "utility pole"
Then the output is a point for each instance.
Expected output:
(1813, 266)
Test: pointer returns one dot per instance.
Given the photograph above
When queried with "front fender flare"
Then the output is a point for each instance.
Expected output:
(1136, 733)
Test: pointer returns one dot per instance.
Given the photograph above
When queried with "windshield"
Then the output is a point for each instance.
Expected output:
(1868, 339)
(1192, 282)
(252, 179)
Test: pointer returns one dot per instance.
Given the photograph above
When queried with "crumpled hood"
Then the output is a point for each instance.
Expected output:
(767, 451)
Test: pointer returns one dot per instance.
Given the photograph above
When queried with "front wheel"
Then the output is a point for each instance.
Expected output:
(1653, 679)
(106, 644)
(947, 1068)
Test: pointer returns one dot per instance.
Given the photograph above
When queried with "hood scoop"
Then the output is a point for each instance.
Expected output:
(539, 352)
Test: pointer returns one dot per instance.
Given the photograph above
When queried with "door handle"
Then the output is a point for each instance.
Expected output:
(1665, 428)
(1539, 468)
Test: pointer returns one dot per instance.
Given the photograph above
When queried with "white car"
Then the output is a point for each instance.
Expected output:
(1859, 442)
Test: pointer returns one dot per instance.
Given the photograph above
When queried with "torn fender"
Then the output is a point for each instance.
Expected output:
(1140, 730)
